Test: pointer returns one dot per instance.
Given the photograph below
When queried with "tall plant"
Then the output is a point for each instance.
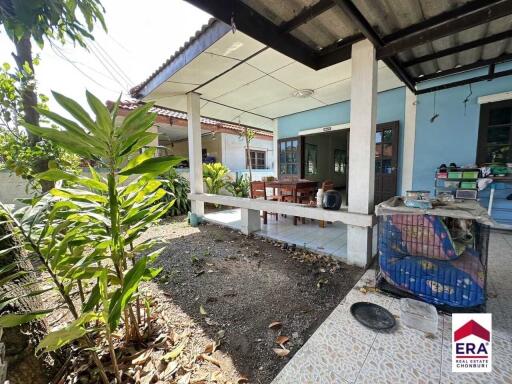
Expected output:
(109, 214)
(37, 20)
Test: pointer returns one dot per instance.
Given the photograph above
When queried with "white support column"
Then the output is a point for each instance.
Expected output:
(361, 171)
(409, 140)
(195, 150)
(275, 149)
(250, 222)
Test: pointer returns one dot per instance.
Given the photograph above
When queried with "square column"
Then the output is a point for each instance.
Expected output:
(275, 148)
(195, 150)
(361, 170)
(250, 222)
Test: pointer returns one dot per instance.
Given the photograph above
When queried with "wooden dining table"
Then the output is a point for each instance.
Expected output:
(291, 185)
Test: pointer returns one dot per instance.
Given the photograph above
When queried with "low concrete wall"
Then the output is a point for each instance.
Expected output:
(12, 187)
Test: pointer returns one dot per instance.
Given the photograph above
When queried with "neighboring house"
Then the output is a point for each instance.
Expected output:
(221, 141)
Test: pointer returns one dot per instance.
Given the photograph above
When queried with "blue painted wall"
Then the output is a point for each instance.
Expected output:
(453, 136)
(390, 107)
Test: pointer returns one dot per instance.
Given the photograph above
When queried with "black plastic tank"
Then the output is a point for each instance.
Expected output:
(332, 200)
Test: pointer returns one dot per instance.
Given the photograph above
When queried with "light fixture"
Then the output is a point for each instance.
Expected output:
(303, 93)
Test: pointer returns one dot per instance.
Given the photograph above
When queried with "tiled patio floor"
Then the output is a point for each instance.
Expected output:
(344, 351)
(331, 240)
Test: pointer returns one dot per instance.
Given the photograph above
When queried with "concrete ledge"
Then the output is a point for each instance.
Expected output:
(292, 209)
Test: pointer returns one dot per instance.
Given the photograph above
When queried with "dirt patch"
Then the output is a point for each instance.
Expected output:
(219, 286)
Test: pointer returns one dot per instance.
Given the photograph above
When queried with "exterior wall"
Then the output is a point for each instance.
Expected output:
(453, 136)
(233, 151)
(12, 187)
(213, 145)
(390, 107)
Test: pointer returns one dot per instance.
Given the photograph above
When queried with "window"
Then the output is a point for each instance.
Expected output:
(495, 135)
(311, 159)
(289, 156)
(257, 159)
(340, 159)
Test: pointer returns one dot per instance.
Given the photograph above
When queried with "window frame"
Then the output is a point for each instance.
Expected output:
(255, 164)
(483, 129)
(299, 156)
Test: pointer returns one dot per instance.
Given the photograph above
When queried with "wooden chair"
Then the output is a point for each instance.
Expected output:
(259, 190)
(328, 185)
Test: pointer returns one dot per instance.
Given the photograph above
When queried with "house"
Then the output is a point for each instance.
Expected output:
(373, 95)
(221, 141)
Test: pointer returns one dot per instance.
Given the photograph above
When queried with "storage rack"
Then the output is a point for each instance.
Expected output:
(461, 179)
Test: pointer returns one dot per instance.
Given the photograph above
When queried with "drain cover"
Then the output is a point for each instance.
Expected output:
(372, 315)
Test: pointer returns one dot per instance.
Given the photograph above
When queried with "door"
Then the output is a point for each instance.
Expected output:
(386, 161)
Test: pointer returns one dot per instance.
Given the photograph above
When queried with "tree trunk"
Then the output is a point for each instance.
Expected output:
(29, 101)
(22, 364)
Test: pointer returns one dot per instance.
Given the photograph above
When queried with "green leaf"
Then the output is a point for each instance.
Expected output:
(15, 319)
(57, 339)
(94, 299)
(123, 295)
(155, 165)
(14, 276)
(8, 250)
(57, 174)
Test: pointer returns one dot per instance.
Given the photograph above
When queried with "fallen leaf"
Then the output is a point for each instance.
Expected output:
(216, 376)
(211, 347)
(211, 359)
(141, 360)
(175, 352)
(275, 325)
(220, 334)
(282, 340)
(242, 379)
(202, 311)
(363, 289)
(171, 368)
(281, 352)
(185, 379)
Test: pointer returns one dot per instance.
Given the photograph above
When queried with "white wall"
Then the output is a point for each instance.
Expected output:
(12, 187)
(233, 151)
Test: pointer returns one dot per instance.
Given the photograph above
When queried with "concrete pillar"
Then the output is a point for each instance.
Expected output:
(250, 222)
(195, 150)
(154, 143)
(361, 170)
(275, 149)
(409, 140)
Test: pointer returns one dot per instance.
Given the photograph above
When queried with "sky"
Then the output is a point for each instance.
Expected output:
(141, 36)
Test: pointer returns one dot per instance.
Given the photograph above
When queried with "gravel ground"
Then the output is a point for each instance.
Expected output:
(218, 286)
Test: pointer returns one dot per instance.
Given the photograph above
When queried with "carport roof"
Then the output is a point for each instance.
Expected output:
(279, 49)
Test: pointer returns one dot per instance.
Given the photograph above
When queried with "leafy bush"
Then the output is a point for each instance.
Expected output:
(177, 188)
(85, 234)
(215, 177)
(240, 186)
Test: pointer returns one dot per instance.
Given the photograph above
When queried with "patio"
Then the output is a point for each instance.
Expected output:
(331, 240)
(344, 351)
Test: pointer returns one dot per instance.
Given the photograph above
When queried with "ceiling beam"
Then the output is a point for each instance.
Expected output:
(492, 12)
(489, 76)
(367, 30)
(463, 68)
(338, 51)
(459, 48)
(306, 14)
(258, 27)
(438, 19)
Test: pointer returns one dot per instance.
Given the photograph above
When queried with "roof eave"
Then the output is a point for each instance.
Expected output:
(199, 44)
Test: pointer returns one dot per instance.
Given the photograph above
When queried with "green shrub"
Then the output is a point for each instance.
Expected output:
(215, 177)
(240, 186)
(177, 188)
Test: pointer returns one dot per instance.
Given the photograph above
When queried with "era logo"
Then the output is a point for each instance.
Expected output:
(472, 343)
